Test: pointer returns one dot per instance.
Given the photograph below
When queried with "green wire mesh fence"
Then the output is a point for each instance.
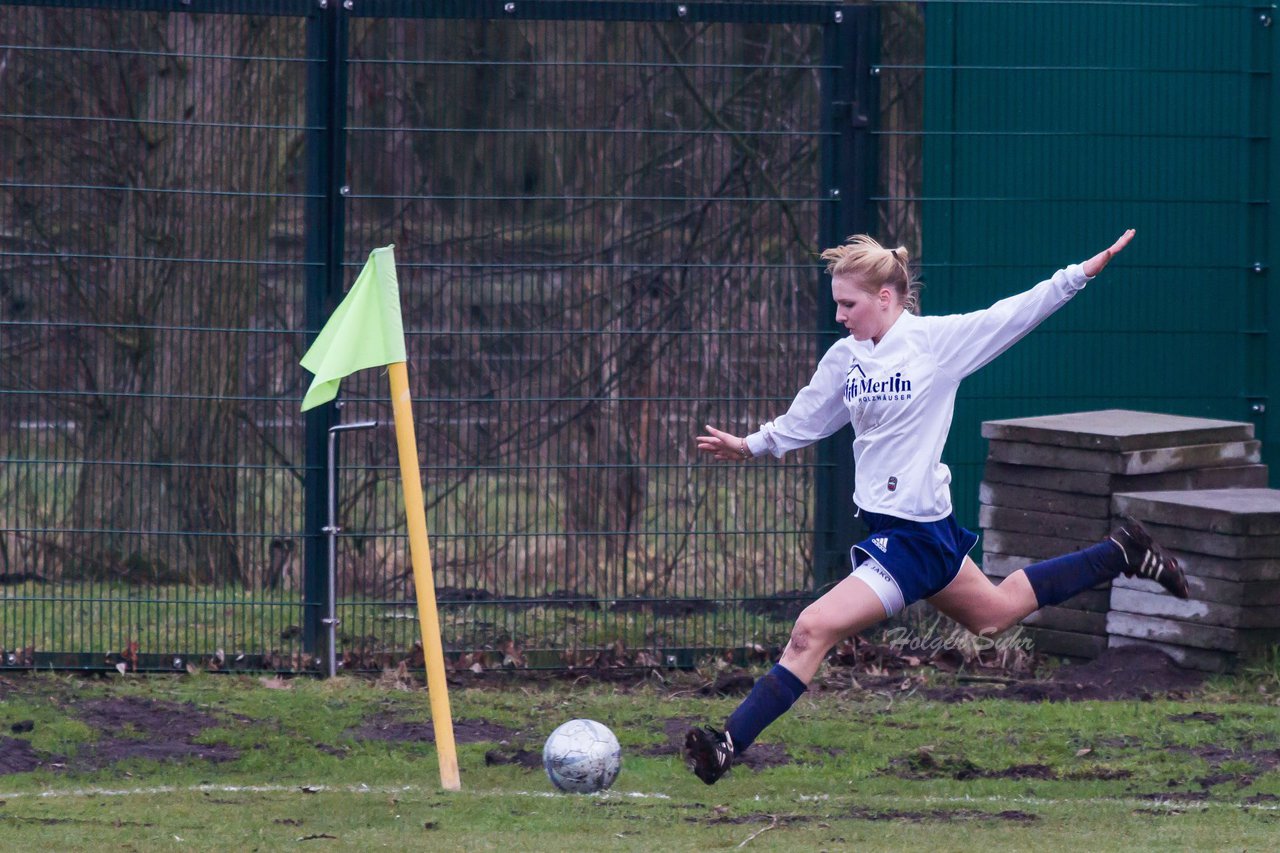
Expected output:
(606, 218)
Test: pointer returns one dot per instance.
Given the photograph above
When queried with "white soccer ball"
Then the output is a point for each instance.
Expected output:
(582, 757)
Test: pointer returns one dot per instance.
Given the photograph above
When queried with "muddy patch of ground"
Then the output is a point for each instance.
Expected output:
(156, 719)
(1102, 774)
(1128, 672)
(762, 756)
(944, 815)
(1196, 717)
(1176, 796)
(926, 764)
(17, 756)
(772, 820)
(673, 732)
(1247, 764)
(392, 729)
(130, 728)
(1206, 782)
(114, 750)
(147, 729)
(525, 758)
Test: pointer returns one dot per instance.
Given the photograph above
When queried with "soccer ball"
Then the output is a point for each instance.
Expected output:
(582, 757)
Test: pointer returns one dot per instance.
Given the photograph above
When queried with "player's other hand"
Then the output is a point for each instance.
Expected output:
(1099, 262)
(722, 445)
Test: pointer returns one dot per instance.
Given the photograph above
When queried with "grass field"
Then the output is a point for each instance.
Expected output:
(880, 761)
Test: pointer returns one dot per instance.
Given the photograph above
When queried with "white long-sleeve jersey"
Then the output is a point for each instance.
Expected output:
(900, 396)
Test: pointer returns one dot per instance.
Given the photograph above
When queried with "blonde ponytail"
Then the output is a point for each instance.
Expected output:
(875, 267)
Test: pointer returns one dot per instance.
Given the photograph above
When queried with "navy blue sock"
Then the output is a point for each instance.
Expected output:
(1056, 580)
(770, 698)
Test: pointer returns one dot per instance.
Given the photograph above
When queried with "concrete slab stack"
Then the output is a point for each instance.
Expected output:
(1228, 544)
(1048, 484)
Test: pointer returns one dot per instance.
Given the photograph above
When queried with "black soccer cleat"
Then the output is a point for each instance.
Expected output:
(1146, 559)
(709, 753)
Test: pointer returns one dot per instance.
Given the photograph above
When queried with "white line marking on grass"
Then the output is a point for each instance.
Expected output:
(894, 799)
(207, 789)
(309, 789)
(1171, 801)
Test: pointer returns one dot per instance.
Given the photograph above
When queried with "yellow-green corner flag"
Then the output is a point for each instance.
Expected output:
(364, 331)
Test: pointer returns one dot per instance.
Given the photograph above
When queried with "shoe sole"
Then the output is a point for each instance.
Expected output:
(699, 755)
(1171, 568)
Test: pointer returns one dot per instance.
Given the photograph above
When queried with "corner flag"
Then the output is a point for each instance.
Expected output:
(364, 331)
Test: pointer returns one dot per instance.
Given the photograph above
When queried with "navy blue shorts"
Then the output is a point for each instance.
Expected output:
(918, 557)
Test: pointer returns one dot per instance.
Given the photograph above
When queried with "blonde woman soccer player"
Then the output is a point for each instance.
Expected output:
(895, 378)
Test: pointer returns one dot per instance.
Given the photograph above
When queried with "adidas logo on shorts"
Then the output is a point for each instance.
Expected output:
(881, 542)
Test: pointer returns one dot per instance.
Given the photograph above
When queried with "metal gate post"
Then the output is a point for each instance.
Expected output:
(326, 159)
(850, 113)
(331, 531)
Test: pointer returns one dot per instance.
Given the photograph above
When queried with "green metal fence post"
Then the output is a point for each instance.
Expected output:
(326, 110)
(849, 114)
(1261, 350)
(1269, 429)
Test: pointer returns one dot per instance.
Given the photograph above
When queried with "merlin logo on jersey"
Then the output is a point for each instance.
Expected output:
(858, 386)
(852, 379)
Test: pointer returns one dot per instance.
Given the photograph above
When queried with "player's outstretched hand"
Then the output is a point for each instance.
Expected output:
(1098, 262)
(723, 445)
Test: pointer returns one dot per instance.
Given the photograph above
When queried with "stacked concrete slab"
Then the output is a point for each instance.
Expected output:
(1228, 544)
(1048, 484)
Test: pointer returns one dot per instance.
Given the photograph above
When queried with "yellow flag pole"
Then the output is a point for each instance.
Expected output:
(424, 583)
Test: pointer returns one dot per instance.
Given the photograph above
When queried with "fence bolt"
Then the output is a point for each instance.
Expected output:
(344, 190)
(348, 4)
(177, 662)
(834, 193)
(509, 8)
(839, 16)
(10, 658)
(1258, 266)
(682, 10)
(1258, 408)
(1264, 19)
(875, 71)
(324, 4)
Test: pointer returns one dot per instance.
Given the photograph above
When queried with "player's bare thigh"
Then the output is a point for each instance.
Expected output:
(983, 607)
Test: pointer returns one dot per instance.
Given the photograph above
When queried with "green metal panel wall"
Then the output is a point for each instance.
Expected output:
(1052, 127)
